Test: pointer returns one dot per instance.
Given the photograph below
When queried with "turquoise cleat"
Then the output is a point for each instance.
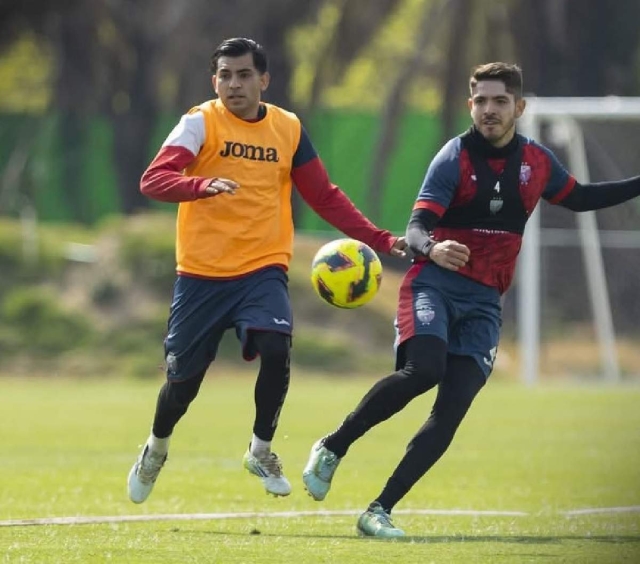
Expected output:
(376, 522)
(319, 471)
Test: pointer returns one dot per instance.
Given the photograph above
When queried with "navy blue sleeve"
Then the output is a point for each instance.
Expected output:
(442, 178)
(589, 197)
(305, 151)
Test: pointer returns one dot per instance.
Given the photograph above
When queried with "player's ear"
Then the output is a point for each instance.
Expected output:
(265, 78)
(214, 83)
(520, 106)
(470, 104)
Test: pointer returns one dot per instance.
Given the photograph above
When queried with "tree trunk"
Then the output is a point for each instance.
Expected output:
(134, 110)
(395, 105)
(75, 43)
(455, 79)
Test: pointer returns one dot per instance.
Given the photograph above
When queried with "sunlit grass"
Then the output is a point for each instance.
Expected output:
(67, 446)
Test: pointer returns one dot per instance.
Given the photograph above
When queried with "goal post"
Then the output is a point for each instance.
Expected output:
(565, 114)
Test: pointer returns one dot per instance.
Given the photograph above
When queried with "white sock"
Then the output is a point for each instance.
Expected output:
(258, 446)
(161, 446)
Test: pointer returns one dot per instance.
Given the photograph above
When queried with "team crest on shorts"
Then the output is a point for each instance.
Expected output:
(423, 308)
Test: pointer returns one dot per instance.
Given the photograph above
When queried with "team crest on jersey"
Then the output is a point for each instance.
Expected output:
(496, 203)
(525, 173)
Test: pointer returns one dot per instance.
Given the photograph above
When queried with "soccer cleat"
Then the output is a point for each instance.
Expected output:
(376, 522)
(269, 469)
(144, 473)
(319, 471)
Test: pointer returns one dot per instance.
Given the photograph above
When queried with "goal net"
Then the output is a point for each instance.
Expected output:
(581, 270)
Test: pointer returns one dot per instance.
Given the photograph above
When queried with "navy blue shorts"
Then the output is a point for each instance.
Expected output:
(202, 310)
(465, 314)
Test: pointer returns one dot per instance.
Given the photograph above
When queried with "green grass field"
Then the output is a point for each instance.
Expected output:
(67, 446)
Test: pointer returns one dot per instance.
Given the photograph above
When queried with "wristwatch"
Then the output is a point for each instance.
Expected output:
(428, 246)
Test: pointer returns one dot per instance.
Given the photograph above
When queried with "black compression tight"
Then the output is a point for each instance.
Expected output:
(424, 368)
(272, 384)
(461, 384)
(271, 389)
(173, 401)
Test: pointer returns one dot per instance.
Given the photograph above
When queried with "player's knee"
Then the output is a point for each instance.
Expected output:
(274, 348)
(466, 389)
(450, 417)
(452, 407)
(181, 394)
(469, 393)
(424, 373)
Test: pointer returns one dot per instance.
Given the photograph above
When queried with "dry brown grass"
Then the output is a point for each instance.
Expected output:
(575, 356)
(573, 353)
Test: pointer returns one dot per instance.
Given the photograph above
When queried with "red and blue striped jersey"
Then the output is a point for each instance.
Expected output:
(450, 185)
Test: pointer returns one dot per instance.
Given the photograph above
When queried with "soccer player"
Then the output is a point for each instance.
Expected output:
(466, 231)
(230, 163)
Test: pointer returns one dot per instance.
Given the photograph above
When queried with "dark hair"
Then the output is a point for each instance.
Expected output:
(510, 75)
(236, 47)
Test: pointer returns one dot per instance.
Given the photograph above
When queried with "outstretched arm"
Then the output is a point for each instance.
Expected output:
(333, 205)
(586, 197)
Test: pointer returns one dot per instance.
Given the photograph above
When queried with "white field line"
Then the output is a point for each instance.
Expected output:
(599, 510)
(82, 520)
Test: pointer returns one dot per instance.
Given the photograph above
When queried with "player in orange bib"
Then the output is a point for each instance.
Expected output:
(231, 164)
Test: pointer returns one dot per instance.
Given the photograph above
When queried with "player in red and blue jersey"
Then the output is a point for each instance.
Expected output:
(466, 231)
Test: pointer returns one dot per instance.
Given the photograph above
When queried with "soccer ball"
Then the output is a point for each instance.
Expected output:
(346, 273)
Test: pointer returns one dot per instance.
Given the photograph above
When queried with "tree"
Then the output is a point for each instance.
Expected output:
(165, 41)
(395, 103)
(567, 50)
(131, 60)
(20, 16)
(73, 32)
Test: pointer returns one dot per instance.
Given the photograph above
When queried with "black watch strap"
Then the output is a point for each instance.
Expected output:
(428, 246)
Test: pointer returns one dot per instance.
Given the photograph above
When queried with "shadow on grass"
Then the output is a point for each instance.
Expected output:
(444, 539)
(522, 539)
